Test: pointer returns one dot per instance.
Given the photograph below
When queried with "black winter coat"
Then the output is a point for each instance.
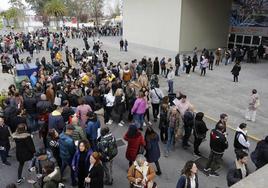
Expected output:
(4, 136)
(262, 153)
(30, 105)
(236, 69)
(24, 146)
(96, 174)
(218, 141)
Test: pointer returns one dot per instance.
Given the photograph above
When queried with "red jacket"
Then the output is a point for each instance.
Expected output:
(133, 145)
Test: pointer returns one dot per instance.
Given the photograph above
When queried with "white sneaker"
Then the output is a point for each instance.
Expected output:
(144, 124)
(120, 124)
(150, 123)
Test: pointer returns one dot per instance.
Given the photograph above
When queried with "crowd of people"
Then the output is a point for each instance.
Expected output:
(71, 105)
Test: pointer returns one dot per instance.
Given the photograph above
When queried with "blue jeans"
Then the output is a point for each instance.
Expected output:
(171, 134)
(4, 150)
(170, 86)
(139, 119)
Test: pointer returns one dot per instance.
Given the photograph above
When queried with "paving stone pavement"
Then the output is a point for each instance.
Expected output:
(213, 94)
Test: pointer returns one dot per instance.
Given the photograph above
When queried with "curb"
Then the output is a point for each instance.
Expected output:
(233, 129)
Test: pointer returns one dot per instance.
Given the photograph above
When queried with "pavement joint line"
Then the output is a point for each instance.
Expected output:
(233, 129)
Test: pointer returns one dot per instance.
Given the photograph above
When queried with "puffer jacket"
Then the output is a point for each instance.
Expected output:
(67, 147)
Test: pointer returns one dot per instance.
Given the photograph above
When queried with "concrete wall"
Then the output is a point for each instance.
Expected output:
(204, 24)
(154, 23)
(258, 179)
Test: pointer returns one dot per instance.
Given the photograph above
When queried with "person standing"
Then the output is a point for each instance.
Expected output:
(96, 172)
(126, 45)
(149, 69)
(170, 78)
(135, 142)
(141, 173)
(241, 139)
(24, 148)
(188, 118)
(81, 112)
(174, 123)
(218, 144)
(238, 169)
(204, 65)
(108, 149)
(168, 66)
(152, 148)
(138, 110)
(177, 65)
(199, 130)
(235, 71)
(156, 96)
(188, 65)
(156, 66)
(80, 162)
(223, 120)
(163, 122)
(189, 178)
(4, 142)
(91, 130)
(194, 62)
(254, 103)
(163, 66)
(121, 43)
(119, 105)
(211, 61)
(67, 151)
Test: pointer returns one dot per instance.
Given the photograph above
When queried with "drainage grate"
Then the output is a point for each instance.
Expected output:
(120, 143)
(201, 164)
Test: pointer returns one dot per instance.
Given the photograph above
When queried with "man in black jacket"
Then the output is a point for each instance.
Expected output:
(218, 144)
(239, 169)
(4, 142)
(177, 64)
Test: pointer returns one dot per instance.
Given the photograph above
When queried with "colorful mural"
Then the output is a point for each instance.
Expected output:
(249, 13)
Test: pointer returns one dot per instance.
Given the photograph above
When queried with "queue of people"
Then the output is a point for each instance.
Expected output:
(72, 104)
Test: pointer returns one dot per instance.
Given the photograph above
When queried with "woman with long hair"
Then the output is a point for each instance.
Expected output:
(119, 105)
(152, 148)
(135, 142)
(189, 178)
(80, 163)
(96, 172)
(138, 110)
(24, 148)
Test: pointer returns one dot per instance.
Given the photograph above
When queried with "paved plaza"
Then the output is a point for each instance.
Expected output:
(213, 94)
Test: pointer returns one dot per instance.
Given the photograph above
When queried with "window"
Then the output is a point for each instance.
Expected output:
(232, 38)
(247, 39)
(239, 39)
(256, 40)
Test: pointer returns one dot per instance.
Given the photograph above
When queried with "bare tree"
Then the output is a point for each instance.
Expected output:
(96, 10)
